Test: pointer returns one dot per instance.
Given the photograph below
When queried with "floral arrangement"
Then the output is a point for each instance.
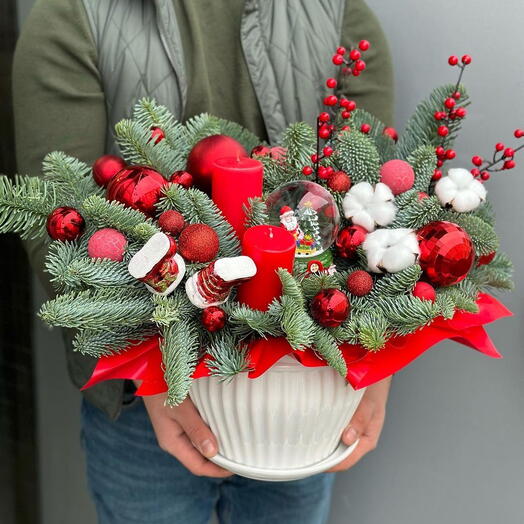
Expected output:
(344, 245)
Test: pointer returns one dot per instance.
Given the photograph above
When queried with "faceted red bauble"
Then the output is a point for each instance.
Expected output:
(484, 260)
(138, 187)
(398, 175)
(106, 167)
(182, 178)
(214, 318)
(330, 307)
(349, 239)
(65, 223)
(360, 283)
(171, 222)
(198, 243)
(446, 253)
(206, 152)
(424, 291)
(107, 243)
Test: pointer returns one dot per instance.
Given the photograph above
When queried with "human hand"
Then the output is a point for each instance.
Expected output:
(181, 432)
(366, 424)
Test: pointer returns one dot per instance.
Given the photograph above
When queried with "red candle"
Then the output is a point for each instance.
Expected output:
(270, 247)
(234, 180)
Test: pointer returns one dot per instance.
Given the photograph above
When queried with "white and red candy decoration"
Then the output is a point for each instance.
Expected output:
(370, 206)
(107, 243)
(158, 265)
(212, 285)
(398, 175)
(391, 250)
(460, 190)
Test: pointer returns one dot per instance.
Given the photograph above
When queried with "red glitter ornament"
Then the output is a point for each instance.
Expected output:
(424, 291)
(171, 222)
(349, 239)
(360, 283)
(446, 253)
(398, 175)
(106, 167)
(107, 243)
(65, 223)
(339, 182)
(182, 178)
(198, 243)
(204, 154)
(157, 135)
(214, 318)
(138, 187)
(330, 307)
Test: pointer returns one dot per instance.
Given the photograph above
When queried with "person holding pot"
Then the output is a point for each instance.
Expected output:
(80, 66)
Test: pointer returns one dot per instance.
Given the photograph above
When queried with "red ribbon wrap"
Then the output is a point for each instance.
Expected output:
(144, 361)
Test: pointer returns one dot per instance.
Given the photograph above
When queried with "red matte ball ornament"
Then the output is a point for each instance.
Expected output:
(398, 175)
(106, 167)
(171, 222)
(107, 243)
(214, 318)
(425, 291)
(138, 187)
(65, 223)
(198, 243)
(204, 154)
(446, 253)
(182, 178)
(330, 307)
(157, 134)
(484, 260)
(348, 240)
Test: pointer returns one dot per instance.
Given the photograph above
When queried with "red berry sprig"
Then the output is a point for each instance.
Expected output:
(352, 63)
(503, 159)
(449, 113)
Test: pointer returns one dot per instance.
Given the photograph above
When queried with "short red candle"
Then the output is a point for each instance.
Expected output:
(234, 180)
(270, 247)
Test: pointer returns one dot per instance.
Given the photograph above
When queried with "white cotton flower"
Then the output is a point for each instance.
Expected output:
(460, 190)
(370, 206)
(391, 250)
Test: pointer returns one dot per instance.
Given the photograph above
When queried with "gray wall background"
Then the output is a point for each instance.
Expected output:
(451, 450)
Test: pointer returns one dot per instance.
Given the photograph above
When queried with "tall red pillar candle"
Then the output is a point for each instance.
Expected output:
(234, 180)
(270, 247)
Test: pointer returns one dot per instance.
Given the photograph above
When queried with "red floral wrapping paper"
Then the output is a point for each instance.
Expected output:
(144, 361)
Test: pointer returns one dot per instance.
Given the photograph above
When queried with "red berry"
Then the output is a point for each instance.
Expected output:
(324, 117)
(453, 115)
(365, 128)
(323, 173)
(450, 103)
(328, 151)
(356, 72)
(359, 283)
(509, 164)
(337, 59)
(330, 100)
(499, 146)
(440, 162)
(331, 83)
(440, 151)
(509, 152)
(461, 112)
(453, 60)
(341, 50)
(466, 59)
(439, 115)
(314, 158)
(475, 172)
(351, 105)
(324, 132)
(422, 195)
(391, 132)
(345, 114)
(457, 95)
(364, 45)
(519, 133)
(477, 160)
(437, 174)
(485, 175)
(345, 128)
(443, 130)
(346, 70)
(450, 154)
(329, 171)
(354, 54)
(360, 65)
(307, 170)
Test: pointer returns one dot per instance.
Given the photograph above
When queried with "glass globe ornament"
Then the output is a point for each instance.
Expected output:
(310, 214)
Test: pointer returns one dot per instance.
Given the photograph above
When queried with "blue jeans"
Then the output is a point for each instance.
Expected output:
(133, 481)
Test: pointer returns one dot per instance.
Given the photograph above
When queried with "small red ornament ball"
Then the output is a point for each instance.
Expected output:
(214, 318)
(106, 167)
(391, 132)
(204, 154)
(339, 182)
(157, 135)
(424, 291)
(198, 243)
(65, 223)
(171, 222)
(360, 283)
(107, 243)
(398, 175)
(138, 187)
(446, 253)
(182, 178)
(330, 307)
(484, 260)
(349, 239)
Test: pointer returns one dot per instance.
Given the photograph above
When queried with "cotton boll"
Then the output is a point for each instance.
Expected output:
(460, 190)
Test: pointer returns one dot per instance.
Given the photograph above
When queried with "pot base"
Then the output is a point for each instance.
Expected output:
(283, 475)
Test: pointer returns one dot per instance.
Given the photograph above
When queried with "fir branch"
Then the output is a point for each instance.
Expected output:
(277, 173)
(312, 284)
(104, 309)
(197, 207)
(358, 156)
(25, 204)
(395, 284)
(291, 287)
(296, 324)
(246, 321)
(105, 213)
(460, 299)
(407, 313)
(497, 274)
(299, 141)
(201, 126)
(372, 328)
(256, 212)
(446, 305)
(173, 308)
(418, 213)
(423, 160)
(229, 357)
(327, 347)
(483, 236)
(486, 213)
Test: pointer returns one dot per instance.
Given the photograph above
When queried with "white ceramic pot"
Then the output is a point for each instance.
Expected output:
(284, 425)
